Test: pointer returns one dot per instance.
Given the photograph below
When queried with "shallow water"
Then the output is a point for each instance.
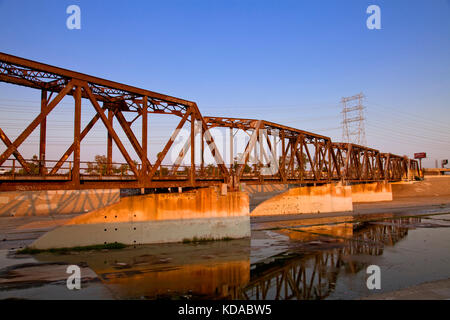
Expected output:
(321, 258)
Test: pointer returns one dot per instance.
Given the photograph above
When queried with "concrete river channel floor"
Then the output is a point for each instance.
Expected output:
(288, 257)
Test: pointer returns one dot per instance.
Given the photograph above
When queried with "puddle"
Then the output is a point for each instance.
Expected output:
(320, 258)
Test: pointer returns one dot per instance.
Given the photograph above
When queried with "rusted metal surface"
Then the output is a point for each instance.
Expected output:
(305, 157)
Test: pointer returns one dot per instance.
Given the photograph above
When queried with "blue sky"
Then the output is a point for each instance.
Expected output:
(286, 61)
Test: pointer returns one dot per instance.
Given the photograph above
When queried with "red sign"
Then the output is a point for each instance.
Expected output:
(420, 155)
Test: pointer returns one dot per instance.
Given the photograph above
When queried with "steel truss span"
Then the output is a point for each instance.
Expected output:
(280, 154)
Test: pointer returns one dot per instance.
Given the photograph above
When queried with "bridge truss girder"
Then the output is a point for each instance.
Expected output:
(305, 157)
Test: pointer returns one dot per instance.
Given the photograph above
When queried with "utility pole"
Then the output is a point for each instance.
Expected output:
(353, 128)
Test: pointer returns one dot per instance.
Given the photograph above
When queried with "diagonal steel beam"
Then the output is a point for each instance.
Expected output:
(244, 157)
(16, 153)
(134, 142)
(69, 151)
(212, 145)
(169, 144)
(13, 147)
(110, 129)
(311, 162)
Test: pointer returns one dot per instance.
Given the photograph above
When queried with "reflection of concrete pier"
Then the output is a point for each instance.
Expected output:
(211, 270)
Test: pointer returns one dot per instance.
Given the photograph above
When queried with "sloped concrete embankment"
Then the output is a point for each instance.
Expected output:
(432, 186)
(156, 218)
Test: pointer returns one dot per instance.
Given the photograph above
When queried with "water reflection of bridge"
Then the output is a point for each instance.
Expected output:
(222, 270)
(314, 276)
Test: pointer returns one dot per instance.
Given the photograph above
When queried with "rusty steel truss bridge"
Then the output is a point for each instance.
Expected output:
(305, 157)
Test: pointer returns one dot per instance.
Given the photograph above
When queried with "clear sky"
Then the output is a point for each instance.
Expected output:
(289, 62)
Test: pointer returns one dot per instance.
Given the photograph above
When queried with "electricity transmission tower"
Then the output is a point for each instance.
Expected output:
(353, 130)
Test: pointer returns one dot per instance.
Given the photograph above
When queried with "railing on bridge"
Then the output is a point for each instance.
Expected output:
(91, 170)
(304, 157)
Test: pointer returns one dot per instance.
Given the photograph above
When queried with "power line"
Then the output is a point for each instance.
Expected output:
(404, 129)
(418, 124)
(409, 135)
(420, 117)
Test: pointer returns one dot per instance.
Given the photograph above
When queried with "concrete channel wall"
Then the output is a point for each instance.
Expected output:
(157, 218)
(432, 186)
(47, 203)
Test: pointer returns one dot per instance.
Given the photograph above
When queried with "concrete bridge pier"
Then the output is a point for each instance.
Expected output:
(206, 213)
(333, 197)
(157, 218)
(311, 199)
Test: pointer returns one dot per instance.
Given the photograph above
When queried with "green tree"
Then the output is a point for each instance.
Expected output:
(247, 168)
(100, 166)
(288, 159)
(33, 165)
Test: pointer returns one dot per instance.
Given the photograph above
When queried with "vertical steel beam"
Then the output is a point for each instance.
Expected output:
(330, 171)
(109, 143)
(193, 117)
(300, 158)
(231, 148)
(144, 135)
(255, 151)
(261, 148)
(42, 134)
(202, 148)
(387, 167)
(76, 136)
(283, 157)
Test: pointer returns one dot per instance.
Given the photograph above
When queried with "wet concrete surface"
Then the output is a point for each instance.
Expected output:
(294, 257)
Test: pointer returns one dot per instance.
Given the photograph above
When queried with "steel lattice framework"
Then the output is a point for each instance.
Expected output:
(305, 157)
